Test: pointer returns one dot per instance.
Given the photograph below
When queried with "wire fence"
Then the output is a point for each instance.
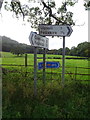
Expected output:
(50, 74)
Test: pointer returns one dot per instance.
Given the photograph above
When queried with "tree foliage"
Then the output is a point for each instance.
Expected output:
(43, 13)
(82, 49)
(87, 4)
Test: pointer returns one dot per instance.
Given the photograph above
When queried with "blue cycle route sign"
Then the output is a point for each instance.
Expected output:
(49, 65)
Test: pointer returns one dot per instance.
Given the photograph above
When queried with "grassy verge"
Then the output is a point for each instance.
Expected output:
(52, 100)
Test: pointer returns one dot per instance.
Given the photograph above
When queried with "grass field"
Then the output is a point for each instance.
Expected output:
(52, 100)
(72, 65)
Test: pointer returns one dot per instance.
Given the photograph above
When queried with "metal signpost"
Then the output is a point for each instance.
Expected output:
(38, 41)
(57, 30)
(35, 71)
(44, 60)
(63, 62)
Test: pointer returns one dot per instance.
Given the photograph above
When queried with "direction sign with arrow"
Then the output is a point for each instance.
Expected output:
(38, 41)
(49, 64)
(55, 30)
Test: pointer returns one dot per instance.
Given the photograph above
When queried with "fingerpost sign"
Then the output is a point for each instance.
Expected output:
(57, 30)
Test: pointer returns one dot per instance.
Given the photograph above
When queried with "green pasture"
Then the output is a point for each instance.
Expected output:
(8, 58)
(71, 65)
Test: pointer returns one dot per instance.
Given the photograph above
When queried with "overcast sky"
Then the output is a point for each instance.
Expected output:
(19, 30)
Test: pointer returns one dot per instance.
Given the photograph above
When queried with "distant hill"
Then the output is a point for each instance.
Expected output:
(8, 40)
(8, 44)
(82, 49)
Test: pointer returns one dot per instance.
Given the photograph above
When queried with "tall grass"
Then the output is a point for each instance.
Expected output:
(52, 100)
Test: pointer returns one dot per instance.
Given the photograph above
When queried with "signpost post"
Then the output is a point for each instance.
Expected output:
(35, 71)
(44, 59)
(63, 62)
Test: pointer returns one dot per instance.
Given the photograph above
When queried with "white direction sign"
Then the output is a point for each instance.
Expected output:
(38, 41)
(55, 30)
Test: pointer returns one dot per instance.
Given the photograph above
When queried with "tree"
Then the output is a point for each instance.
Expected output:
(67, 51)
(60, 51)
(83, 49)
(44, 14)
(73, 51)
(18, 50)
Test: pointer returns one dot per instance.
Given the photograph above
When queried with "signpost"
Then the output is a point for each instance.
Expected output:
(55, 30)
(38, 41)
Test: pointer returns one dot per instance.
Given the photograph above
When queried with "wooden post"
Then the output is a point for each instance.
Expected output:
(25, 60)
(75, 72)
(26, 64)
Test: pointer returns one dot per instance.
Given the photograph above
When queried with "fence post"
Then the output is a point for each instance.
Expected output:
(25, 59)
(26, 64)
(75, 73)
